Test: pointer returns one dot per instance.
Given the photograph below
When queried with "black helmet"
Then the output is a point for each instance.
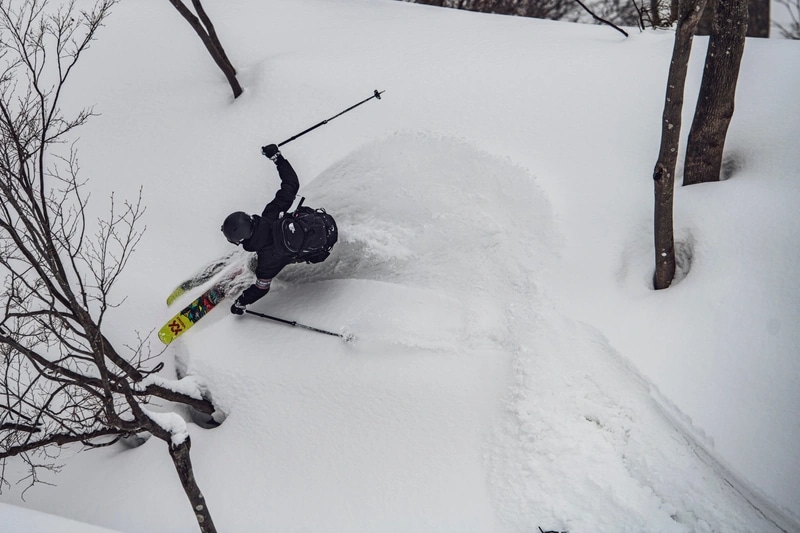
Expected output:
(237, 227)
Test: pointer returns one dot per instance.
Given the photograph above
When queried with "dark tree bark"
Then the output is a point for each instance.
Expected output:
(758, 18)
(183, 466)
(202, 25)
(674, 8)
(715, 103)
(664, 172)
(655, 14)
(707, 20)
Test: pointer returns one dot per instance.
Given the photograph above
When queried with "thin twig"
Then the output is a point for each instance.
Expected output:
(604, 21)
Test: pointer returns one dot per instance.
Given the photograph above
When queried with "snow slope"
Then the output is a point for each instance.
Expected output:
(19, 519)
(513, 369)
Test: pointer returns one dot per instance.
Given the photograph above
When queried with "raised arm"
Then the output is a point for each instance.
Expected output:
(269, 265)
(289, 184)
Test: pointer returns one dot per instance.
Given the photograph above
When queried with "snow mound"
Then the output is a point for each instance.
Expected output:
(412, 207)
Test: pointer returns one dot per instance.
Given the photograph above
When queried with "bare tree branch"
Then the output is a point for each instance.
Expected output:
(58, 439)
(601, 20)
(790, 30)
(62, 381)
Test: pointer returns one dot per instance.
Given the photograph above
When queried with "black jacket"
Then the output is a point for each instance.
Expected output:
(270, 263)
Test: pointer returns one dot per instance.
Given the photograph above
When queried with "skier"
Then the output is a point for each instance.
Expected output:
(308, 238)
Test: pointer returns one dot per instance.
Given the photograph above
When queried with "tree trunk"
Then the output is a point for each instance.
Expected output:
(758, 20)
(183, 465)
(212, 44)
(212, 35)
(655, 13)
(707, 20)
(664, 172)
(674, 10)
(715, 103)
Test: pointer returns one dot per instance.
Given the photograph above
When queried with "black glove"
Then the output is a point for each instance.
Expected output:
(237, 308)
(271, 151)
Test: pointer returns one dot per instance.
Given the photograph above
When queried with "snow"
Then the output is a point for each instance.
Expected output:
(172, 423)
(513, 367)
(19, 519)
(190, 385)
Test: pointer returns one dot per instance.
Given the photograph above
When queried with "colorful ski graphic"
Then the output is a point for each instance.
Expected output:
(200, 307)
(189, 316)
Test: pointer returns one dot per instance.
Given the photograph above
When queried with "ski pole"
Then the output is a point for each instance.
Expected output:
(293, 323)
(377, 94)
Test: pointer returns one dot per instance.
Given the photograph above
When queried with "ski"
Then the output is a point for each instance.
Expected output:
(201, 306)
(203, 275)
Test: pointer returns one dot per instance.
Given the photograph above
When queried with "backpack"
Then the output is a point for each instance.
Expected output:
(307, 235)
